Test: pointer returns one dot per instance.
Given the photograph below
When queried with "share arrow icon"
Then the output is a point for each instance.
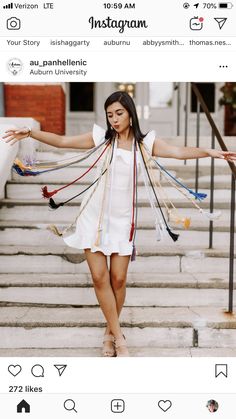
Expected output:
(60, 368)
(196, 5)
(221, 21)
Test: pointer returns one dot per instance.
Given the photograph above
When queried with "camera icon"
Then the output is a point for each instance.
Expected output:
(13, 24)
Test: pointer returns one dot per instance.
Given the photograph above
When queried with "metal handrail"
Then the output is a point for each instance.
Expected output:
(212, 192)
(186, 117)
(213, 125)
(216, 134)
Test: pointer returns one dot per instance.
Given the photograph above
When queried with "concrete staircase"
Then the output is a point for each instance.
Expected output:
(176, 293)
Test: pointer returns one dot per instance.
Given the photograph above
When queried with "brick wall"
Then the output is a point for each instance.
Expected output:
(230, 120)
(46, 104)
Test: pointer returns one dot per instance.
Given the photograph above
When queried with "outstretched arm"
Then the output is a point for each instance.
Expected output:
(83, 141)
(163, 149)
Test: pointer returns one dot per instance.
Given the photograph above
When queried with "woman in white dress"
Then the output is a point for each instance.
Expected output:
(114, 196)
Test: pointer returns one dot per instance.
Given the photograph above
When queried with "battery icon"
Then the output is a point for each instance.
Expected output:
(225, 5)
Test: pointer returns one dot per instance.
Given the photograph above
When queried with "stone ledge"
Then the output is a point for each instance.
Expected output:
(197, 226)
(134, 351)
(136, 297)
(96, 352)
(194, 252)
(12, 202)
(137, 279)
(199, 318)
(85, 337)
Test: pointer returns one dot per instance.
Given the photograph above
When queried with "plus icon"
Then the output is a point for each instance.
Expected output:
(117, 406)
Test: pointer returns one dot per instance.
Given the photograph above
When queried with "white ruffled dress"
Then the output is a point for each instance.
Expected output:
(116, 221)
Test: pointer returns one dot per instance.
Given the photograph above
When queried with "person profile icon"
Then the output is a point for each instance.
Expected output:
(212, 405)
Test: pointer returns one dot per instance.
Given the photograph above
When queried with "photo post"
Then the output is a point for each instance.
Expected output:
(173, 274)
(117, 209)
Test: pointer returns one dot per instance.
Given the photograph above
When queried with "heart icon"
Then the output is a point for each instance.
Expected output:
(14, 370)
(164, 405)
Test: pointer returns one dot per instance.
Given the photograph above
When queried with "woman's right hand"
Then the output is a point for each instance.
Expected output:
(14, 135)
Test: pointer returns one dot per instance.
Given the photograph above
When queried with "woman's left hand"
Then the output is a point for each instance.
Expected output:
(219, 154)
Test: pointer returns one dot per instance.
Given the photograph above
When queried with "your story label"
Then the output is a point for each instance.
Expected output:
(23, 42)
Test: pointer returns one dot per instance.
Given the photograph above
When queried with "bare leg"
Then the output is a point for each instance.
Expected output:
(101, 278)
(118, 274)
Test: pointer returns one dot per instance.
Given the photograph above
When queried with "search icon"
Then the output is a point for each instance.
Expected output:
(69, 405)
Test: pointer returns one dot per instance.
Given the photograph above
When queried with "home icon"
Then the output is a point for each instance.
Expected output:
(23, 405)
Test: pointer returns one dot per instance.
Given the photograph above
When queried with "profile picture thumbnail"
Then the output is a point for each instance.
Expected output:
(212, 405)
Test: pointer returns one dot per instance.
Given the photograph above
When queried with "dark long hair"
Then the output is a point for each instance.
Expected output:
(127, 102)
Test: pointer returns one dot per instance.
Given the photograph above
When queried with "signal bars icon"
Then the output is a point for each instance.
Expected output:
(8, 6)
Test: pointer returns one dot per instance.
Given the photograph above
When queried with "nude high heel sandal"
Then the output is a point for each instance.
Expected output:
(111, 351)
(121, 347)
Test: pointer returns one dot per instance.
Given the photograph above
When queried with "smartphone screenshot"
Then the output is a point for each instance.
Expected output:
(117, 209)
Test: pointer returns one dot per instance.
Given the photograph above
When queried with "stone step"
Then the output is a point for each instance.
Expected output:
(198, 317)
(146, 220)
(176, 300)
(73, 255)
(28, 215)
(221, 181)
(91, 337)
(220, 203)
(205, 139)
(221, 166)
(137, 279)
(56, 261)
(134, 351)
(87, 339)
(33, 191)
(38, 235)
(135, 297)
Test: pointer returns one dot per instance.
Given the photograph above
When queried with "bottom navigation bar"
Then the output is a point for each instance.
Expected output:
(137, 406)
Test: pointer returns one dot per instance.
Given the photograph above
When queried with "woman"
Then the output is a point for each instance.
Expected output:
(106, 224)
(212, 406)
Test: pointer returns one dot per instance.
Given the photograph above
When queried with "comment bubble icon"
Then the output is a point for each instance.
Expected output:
(37, 371)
